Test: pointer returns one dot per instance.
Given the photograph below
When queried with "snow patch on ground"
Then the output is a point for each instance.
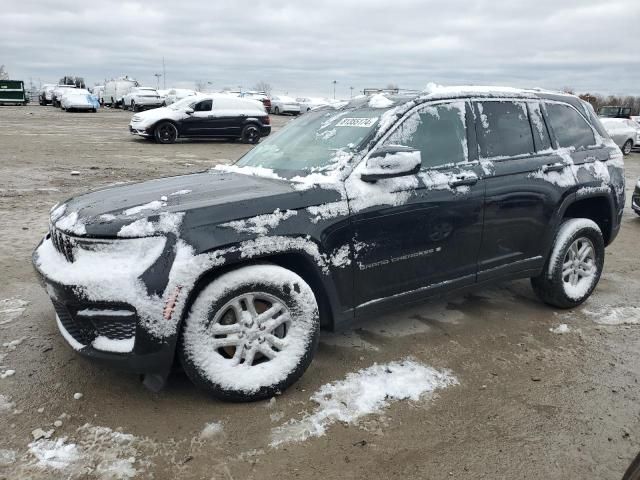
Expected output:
(211, 430)
(560, 329)
(10, 309)
(6, 405)
(610, 315)
(362, 393)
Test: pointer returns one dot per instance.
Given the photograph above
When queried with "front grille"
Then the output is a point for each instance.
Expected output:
(62, 243)
(116, 322)
(115, 328)
(82, 333)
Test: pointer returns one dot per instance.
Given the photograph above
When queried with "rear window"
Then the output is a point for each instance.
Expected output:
(504, 129)
(570, 129)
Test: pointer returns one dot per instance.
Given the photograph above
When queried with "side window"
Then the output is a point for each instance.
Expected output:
(438, 131)
(570, 129)
(504, 129)
(203, 106)
(540, 132)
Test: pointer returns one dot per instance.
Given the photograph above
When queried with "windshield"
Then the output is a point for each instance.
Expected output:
(180, 104)
(315, 141)
(608, 111)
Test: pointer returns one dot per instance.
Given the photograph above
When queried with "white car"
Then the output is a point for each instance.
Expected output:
(281, 104)
(79, 99)
(115, 90)
(309, 103)
(176, 94)
(141, 98)
(58, 92)
(625, 132)
(44, 97)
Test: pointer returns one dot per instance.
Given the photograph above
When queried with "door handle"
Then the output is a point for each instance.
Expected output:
(553, 167)
(462, 180)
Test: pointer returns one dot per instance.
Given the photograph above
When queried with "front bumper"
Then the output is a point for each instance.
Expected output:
(265, 130)
(107, 331)
(142, 131)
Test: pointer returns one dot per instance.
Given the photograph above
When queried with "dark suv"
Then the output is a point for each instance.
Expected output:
(344, 213)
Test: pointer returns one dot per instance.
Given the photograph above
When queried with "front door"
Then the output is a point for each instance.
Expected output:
(200, 122)
(417, 234)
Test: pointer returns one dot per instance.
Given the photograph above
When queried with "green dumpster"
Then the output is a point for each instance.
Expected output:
(12, 92)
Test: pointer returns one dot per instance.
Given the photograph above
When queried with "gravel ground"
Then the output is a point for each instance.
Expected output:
(530, 403)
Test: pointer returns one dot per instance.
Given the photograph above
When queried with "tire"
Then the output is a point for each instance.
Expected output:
(134, 108)
(213, 360)
(250, 134)
(94, 110)
(574, 266)
(165, 132)
(626, 148)
(276, 111)
(124, 106)
(633, 471)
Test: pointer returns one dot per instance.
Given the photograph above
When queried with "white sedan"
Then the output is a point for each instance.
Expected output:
(140, 98)
(79, 99)
(281, 104)
(625, 132)
(309, 103)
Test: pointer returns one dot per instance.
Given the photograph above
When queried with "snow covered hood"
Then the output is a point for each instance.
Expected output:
(193, 200)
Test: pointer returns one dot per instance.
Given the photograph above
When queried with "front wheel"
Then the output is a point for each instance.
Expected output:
(276, 111)
(626, 148)
(250, 134)
(250, 333)
(574, 266)
(166, 132)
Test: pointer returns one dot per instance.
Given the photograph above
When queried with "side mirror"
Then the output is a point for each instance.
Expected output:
(188, 111)
(390, 162)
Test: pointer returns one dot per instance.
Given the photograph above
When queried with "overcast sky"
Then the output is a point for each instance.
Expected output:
(300, 47)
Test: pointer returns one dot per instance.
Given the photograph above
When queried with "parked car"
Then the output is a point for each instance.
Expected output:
(115, 90)
(614, 112)
(58, 92)
(44, 97)
(262, 97)
(625, 132)
(176, 94)
(79, 99)
(345, 213)
(281, 104)
(12, 92)
(635, 198)
(98, 91)
(309, 103)
(141, 98)
(212, 115)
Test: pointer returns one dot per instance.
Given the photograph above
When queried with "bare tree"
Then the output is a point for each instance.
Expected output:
(392, 86)
(201, 85)
(262, 86)
(4, 75)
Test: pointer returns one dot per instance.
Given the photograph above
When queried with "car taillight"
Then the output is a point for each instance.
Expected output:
(266, 120)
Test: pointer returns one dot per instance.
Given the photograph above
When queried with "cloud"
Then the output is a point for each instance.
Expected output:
(301, 47)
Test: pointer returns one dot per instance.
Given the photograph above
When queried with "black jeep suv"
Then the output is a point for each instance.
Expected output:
(342, 214)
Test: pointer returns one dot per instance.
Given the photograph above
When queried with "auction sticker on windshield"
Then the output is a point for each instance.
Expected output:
(357, 122)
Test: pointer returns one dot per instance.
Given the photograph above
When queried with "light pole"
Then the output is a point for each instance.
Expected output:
(157, 75)
(351, 88)
(334, 89)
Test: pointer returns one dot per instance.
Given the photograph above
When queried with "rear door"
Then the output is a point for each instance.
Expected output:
(526, 178)
(420, 233)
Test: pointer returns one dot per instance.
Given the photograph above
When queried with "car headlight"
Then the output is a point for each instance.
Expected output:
(136, 118)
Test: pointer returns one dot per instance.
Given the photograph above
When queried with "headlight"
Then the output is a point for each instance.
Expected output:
(136, 118)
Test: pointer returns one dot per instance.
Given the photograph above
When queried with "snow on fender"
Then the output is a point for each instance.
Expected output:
(250, 333)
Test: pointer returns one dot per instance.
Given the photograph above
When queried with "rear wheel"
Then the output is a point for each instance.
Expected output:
(574, 266)
(250, 134)
(251, 333)
(166, 132)
(276, 111)
(626, 148)
(134, 107)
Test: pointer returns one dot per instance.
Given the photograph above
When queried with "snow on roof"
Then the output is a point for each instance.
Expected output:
(433, 90)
